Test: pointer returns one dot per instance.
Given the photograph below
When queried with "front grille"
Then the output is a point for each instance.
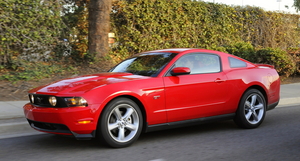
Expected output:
(43, 101)
(49, 127)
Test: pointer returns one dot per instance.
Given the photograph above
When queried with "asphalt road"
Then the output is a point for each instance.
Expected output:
(277, 139)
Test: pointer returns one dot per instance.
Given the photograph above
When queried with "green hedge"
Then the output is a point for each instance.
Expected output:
(141, 25)
(295, 54)
(283, 62)
(29, 29)
(243, 50)
(154, 24)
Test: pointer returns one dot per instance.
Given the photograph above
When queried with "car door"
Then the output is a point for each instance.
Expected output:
(202, 93)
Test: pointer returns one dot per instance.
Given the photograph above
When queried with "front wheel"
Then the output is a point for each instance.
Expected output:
(121, 123)
(252, 109)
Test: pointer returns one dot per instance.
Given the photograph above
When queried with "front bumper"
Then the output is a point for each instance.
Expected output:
(80, 122)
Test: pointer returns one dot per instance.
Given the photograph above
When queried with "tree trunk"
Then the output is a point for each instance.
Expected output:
(99, 24)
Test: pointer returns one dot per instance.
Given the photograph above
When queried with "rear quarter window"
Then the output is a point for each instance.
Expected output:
(236, 63)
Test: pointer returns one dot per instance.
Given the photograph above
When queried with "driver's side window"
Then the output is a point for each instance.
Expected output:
(200, 63)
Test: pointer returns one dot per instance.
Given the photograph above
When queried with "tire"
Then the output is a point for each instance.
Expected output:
(252, 109)
(121, 123)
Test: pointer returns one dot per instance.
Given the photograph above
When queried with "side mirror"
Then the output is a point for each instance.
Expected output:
(180, 71)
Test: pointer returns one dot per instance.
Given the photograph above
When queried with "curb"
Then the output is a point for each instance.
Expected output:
(11, 110)
(288, 102)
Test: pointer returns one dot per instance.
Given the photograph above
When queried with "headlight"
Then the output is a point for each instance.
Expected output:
(76, 101)
(31, 98)
(52, 100)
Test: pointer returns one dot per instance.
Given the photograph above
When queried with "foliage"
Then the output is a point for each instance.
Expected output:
(28, 28)
(31, 71)
(283, 62)
(151, 24)
(32, 30)
(295, 54)
(75, 16)
(243, 50)
(297, 5)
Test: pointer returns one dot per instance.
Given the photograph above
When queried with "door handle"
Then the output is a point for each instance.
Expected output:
(218, 80)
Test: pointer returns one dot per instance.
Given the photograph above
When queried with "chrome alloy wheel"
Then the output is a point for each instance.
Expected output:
(123, 123)
(254, 108)
(251, 110)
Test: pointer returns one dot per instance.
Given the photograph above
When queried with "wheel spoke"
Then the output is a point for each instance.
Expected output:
(253, 100)
(255, 117)
(112, 126)
(128, 113)
(259, 107)
(131, 127)
(248, 115)
(248, 104)
(117, 113)
(121, 134)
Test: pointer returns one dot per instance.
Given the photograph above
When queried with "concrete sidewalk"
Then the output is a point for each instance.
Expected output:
(289, 95)
(13, 122)
(12, 109)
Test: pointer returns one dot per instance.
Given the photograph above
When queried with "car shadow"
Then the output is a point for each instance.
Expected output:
(213, 127)
(46, 142)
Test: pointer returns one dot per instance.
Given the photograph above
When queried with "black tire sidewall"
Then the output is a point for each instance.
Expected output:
(102, 130)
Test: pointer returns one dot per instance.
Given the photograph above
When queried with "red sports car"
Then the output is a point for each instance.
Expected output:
(155, 90)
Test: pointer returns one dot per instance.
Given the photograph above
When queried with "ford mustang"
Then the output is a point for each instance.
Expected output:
(155, 90)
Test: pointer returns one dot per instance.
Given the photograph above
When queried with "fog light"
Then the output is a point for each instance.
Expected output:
(52, 100)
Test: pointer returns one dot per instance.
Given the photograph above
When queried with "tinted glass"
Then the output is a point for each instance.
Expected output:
(236, 63)
(200, 63)
(149, 64)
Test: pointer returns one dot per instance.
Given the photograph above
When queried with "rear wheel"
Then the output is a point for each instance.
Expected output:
(252, 109)
(121, 123)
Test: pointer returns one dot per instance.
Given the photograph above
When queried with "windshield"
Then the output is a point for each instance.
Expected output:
(148, 64)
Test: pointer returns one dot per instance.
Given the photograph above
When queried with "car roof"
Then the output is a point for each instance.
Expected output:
(171, 50)
(181, 50)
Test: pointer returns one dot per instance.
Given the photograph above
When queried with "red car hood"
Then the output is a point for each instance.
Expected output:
(82, 84)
